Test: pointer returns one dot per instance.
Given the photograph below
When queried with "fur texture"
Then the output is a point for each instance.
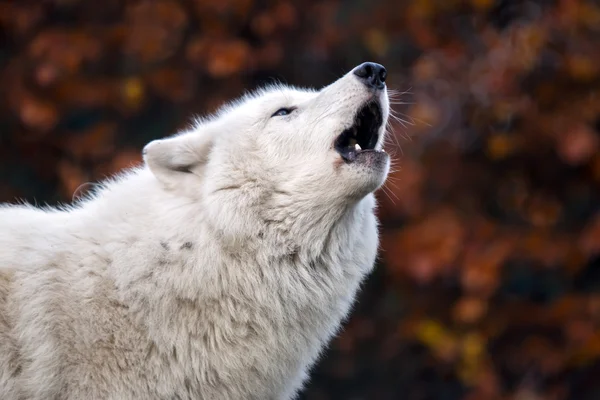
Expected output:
(218, 270)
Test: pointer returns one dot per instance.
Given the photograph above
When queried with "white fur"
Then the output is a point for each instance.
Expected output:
(219, 270)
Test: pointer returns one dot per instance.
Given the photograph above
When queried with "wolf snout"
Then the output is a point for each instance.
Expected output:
(371, 74)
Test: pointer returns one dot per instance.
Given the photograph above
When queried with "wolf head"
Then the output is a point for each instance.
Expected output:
(284, 145)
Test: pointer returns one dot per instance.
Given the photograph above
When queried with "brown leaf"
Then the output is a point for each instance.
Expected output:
(38, 114)
(154, 29)
(228, 58)
(469, 310)
(578, 144)
(425, 250)
(589, 241)
(173, 84)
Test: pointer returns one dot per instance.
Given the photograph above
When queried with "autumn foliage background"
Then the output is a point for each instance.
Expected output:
(489, 279)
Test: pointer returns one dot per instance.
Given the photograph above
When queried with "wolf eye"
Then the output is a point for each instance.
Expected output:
(282, 112)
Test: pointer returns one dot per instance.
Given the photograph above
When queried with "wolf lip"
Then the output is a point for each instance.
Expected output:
(363, 135)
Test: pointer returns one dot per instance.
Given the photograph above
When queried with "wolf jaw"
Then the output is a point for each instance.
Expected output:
(363, 135)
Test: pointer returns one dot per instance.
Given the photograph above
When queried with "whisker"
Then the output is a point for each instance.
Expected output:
(402, 121)
(384, 191)
(395, 92)
(402, 102)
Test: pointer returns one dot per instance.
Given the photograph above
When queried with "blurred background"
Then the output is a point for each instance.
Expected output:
(488, 285)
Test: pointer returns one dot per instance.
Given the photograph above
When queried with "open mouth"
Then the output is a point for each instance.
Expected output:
(363, 134)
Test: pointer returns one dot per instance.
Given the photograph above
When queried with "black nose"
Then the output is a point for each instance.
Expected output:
(371, 74)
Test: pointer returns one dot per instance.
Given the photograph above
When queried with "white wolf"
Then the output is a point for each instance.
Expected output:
(218, 270)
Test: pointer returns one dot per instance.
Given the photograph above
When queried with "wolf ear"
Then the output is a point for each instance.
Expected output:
(172, 158)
